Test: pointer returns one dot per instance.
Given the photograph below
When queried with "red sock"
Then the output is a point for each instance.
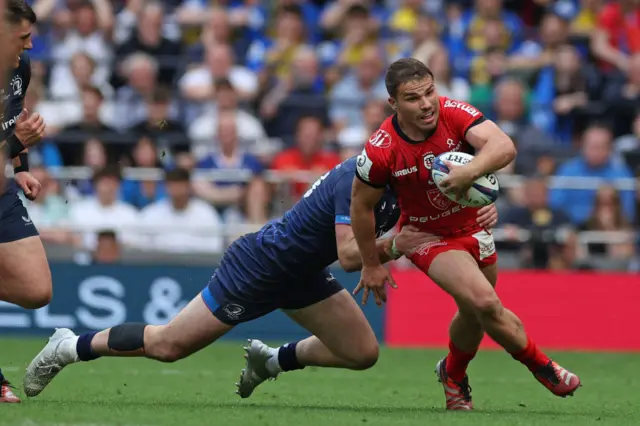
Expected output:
(457, 362)
(531, 356)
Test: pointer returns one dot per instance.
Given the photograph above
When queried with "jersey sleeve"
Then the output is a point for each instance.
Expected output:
(374, 163)
(462, 116)
(342, 199)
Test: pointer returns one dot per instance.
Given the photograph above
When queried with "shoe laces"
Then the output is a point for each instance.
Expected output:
(549, 373)
(465, 388)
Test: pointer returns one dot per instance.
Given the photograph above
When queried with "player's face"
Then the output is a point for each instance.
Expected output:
(20, 40)
(417, 105)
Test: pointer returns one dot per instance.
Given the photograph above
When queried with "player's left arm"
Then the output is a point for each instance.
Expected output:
(348, 252)
(496, 149)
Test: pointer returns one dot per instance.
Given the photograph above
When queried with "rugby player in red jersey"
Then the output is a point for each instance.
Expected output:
(463, 261)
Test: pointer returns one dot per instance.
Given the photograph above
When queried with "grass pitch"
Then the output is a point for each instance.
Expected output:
(400, 390)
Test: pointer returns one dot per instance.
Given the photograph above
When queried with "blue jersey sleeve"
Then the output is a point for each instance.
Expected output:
(342, 199)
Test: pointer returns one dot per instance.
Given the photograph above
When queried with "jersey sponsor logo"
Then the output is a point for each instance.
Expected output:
(424, 219)
(486, 244)
(380, 139)
(464, 107)
(9, 123)
(453, 145)
(438, 199)
(16, 85)
(364, 165)
(406, 171)
(428, 159)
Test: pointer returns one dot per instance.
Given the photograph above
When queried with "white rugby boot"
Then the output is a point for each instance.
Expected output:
(258, 367)
(50, 361)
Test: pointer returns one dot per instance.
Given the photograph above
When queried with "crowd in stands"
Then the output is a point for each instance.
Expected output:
(246, 87)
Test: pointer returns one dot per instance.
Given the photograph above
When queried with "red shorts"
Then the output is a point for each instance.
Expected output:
(479, 245)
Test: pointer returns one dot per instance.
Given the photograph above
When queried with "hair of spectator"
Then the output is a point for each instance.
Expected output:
(178, 175)
(600, 125)
(293, 9)
(161, 95)
(107, 234)
(139, 58)
(357, 11)
(19, 10)
(94, 91)
(223, 83)
(404, 70)
(110, 171)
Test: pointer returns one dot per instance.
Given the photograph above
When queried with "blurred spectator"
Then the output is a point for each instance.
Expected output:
(105, 210)
(148, 38)
(488, 65)
(355, 89)
(197, 85)
(181, 223)
(127, 19)
(352, 139)
(543, 250)
(217, 31)
(142, 192)
(160, 122)
(561, 93)
(595, 161)
(88, 30)
(107, 249)
(46, 153)
(49, 209)
(94, 117)
(204, 129)
(309, 154)
(630, 143)
(228, 195)
(300, 94)
(608, 215)
(425, 40)
(617, 36)
(623, 94)
(446, 83)
(405, 18)
(94, 156)
(81, 76)
(335, 13)
(141, 71)
(585, 21)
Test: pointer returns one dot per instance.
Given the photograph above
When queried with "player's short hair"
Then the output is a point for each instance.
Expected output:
(177, 175)
(18, 10)
(110, 171)
(402, 71)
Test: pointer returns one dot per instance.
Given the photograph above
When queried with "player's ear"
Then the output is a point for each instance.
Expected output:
(392, 103)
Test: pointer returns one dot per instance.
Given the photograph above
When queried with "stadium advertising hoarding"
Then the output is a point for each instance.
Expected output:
(573, 311)
(101, 296)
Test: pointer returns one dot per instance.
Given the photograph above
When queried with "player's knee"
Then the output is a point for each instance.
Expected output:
(36, 298)
(487, 304)
(366, 357)
(163, 347)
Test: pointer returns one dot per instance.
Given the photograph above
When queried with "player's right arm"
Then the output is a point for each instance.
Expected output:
(372, 175)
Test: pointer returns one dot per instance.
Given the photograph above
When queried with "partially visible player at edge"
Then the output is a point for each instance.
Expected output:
(463, 261)
(282, 266)
(25, 278)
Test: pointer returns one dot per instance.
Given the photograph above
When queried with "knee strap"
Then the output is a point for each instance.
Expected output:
(127, 337)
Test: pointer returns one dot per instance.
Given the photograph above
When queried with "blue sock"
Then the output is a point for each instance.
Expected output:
(287, 357)
(83, 347)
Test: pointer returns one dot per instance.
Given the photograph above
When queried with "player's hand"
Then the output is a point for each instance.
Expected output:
(373, 279)
(459, 180)
(29, 128)
(411, 238)
(29, 185)
(488, 216)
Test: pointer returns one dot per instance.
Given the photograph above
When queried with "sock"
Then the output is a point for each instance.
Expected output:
(532, 357)
(457, 362)
(83, 347)
(1, 377)
(287, 357)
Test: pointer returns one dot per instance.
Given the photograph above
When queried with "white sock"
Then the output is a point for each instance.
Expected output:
(273, 365)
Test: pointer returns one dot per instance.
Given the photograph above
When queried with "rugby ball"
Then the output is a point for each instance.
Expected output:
(484, 190)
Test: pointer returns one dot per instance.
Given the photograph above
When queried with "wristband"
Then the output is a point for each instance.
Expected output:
(394, 252)
(13, 146)
(24, 163)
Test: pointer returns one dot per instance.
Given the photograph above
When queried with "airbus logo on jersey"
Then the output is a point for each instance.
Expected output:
(464, 107)
(406, 171)
(7, 124)
(380, 139)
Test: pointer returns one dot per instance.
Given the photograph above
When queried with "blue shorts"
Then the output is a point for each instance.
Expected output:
(242, 288)
(15, 223)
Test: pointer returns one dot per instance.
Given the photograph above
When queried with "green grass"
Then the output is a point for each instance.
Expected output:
(400, 390)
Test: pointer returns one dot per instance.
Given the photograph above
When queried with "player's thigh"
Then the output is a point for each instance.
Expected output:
(25, 277)
(194, 328)
(341, 326)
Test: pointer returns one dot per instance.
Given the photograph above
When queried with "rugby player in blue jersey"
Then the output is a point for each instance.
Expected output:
(25, 278)
(282, 266)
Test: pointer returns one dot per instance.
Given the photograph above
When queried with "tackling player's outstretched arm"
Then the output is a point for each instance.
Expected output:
(363, 200)
(496, 149)
(349, 254)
